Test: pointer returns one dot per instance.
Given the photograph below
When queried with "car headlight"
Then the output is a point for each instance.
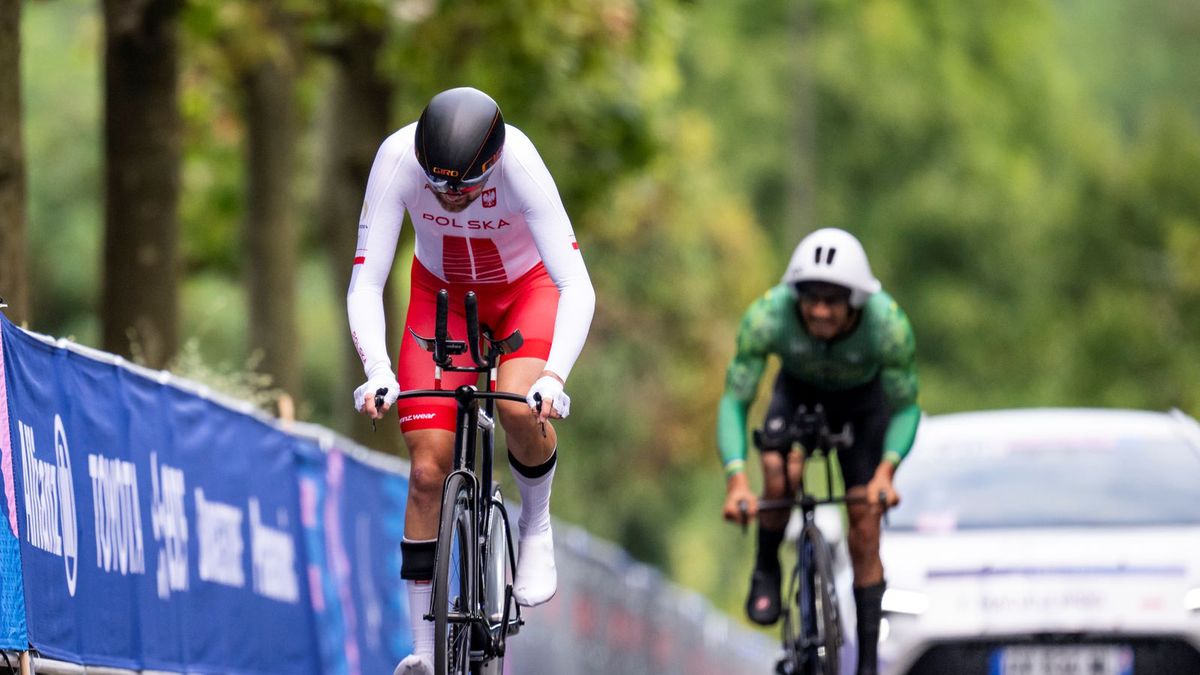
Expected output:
(1191, 601)
(900, 601)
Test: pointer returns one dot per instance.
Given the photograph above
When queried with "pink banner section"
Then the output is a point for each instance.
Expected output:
(6, 457)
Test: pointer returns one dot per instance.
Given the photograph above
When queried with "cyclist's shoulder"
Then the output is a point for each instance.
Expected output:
(515, 139)
(521, 163)
(765, 318)
(883, 309)
(775, 300)
(396, 153)
(889, 323)
(400, 142)
(770, 306)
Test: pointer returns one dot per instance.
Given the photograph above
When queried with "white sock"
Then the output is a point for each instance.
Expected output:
(535, 499)
(419, 595)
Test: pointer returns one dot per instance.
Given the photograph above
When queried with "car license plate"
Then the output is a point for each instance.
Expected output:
(1063, 660)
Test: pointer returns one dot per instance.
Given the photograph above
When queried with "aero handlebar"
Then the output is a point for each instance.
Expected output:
(443, 349)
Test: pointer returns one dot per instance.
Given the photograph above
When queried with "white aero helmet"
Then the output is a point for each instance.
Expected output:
(833, 256)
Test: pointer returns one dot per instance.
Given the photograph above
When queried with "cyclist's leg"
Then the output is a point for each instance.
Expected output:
(529, 305)
(428, 429)
(867, 410)
(763, 603)
(523, 434)
(427, 423)
(531, 458)
(431, 453)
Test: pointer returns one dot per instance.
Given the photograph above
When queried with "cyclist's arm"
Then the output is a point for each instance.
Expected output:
(731, 433)
(741, 386)
(378, 230)
(900, 386)
(555, 241)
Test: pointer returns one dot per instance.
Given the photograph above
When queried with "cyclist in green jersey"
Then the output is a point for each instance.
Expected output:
(845, 344)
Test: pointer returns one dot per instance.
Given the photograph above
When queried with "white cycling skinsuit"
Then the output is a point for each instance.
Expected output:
(513, 245)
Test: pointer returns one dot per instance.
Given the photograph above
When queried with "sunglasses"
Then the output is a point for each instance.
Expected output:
(828, 294)
(444, 186)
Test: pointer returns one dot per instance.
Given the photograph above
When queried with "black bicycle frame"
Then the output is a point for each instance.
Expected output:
(811, 430)
(467, 398)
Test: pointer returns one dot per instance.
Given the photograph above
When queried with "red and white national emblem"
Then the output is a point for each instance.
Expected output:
(489, 198)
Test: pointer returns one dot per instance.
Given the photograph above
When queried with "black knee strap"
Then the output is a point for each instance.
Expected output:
(533, 471)
(417, 559)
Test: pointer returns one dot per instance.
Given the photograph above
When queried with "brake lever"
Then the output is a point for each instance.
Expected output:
(537, 397)
(883, 504)
(379, 394)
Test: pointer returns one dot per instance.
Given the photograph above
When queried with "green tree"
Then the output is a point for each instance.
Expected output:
(13, 282)
(355, 120)
(270, 108)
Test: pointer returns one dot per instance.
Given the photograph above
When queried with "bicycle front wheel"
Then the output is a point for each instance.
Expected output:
(453, 579)
(825, 636)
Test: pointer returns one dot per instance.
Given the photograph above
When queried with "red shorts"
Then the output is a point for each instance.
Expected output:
(529, 303)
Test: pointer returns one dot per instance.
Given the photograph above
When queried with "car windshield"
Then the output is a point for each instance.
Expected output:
(1078, 482)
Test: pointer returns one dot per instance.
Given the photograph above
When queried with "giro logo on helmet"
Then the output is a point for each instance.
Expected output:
(451, 173)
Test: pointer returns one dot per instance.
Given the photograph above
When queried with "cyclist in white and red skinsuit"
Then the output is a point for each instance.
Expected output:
(488, 218)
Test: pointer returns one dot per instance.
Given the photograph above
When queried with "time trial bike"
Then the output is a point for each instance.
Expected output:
(812, 628)
(473, 609)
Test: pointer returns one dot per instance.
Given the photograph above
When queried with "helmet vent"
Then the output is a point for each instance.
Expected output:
(828, 258)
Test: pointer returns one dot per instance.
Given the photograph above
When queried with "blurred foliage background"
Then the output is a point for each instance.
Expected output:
(1022, 173)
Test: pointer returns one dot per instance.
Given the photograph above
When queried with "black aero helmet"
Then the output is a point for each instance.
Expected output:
(459, 138)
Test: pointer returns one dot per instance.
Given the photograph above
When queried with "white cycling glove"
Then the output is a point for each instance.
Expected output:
(552, 392)
(374, 384)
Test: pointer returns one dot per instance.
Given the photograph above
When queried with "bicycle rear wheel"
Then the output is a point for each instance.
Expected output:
(453, 578)
(497, 581)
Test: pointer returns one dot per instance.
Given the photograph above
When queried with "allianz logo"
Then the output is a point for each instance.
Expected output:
(51, 524)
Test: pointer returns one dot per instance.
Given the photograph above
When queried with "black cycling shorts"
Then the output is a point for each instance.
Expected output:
(864, 407)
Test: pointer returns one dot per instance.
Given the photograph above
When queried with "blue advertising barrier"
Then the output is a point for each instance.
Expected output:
(148, 524)
(12, 598)
(158, 529)
(353, 517)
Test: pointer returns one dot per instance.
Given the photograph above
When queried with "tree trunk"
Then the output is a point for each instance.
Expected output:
(270, 231)
(355, 123)
(13, 281)
(802, 202)
(142, 130)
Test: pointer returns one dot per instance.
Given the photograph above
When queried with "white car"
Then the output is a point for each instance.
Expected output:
(1046, 542)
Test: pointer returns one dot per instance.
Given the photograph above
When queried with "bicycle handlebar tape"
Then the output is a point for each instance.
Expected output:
(472, 307)
(440, 332)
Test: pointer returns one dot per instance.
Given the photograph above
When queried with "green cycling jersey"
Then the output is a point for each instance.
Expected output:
(880, 345)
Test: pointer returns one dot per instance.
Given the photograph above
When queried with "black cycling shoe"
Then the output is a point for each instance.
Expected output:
(763, 604)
